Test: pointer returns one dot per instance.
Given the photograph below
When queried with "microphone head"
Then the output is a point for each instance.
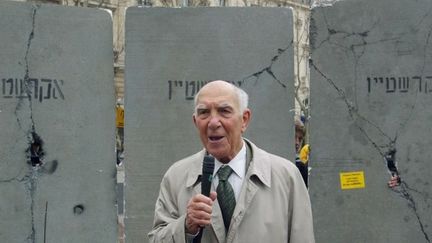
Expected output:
(208, 164)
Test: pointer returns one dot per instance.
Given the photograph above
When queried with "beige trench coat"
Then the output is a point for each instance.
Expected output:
(273, 206)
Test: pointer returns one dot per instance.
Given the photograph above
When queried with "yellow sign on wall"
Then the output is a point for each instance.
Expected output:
(352, 180)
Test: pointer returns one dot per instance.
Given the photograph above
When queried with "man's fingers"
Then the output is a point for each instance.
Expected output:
(199, 214)
(200, 206)
(213, 195)
(201, 198)
(199, 211)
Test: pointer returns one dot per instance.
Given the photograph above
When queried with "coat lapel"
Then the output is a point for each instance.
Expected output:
(248, 191)
(257, 175)
(217, 222)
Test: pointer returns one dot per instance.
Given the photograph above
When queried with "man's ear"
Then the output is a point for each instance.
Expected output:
(194, 119)
(246, 117)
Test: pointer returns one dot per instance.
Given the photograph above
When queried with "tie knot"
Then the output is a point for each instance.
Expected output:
(224, 172)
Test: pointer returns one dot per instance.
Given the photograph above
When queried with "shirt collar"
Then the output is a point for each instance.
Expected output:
(261, 170)
(237, 164)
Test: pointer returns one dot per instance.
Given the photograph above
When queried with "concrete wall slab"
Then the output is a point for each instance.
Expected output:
(57, 95)
(370, 95)
(170, 55)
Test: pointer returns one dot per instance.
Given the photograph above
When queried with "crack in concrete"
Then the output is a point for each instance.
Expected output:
(30, 179)
(420, 23)
(344, 35)
(353, 113)
(357, 50)
(425, 47)
(27, 86)
(403, 192)
(45, 221)
(31, 184)
(35, 152)
(352, 48)
(14, 178)
(268, 69)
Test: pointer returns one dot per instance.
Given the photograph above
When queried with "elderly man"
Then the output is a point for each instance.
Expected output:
(269, 201)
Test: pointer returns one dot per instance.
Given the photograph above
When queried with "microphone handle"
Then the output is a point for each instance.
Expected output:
(206, 179)
(197, 238)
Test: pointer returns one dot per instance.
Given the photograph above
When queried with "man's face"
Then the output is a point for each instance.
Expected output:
(219, 120)
(298, 140)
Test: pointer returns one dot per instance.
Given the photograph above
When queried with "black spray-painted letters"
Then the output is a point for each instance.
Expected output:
(33, 88)
(404, 84)
(190, 87)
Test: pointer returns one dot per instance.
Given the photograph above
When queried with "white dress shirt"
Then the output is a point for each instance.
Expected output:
(238, 165)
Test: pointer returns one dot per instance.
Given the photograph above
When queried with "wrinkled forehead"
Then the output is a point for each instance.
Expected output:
(220, 95)
(221, 104)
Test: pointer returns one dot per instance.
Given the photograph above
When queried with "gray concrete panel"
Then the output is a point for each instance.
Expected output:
(370, 93)
(57, 94)
(170, 54)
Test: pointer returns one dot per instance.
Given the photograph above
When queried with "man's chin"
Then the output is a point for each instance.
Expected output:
(220, 156)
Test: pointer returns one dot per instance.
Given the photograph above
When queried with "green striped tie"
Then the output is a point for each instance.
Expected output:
(225, 195)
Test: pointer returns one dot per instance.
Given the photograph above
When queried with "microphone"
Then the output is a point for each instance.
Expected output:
(207, 174)
(206, 180)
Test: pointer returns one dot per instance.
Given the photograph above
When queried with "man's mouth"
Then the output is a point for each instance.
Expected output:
(215, 138)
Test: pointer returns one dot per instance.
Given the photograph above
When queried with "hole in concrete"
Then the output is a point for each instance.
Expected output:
(390, 158)
(35, 151)
(78, 209)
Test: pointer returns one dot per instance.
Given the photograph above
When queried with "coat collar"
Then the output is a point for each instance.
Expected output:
(258, 166)
(195, 172)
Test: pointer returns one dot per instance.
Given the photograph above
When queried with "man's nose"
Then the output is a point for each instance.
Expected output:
(214, 121)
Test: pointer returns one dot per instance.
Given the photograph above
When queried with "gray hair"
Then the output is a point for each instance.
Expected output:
(242, 97)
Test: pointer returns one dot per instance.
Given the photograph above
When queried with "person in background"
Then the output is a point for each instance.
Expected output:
(255, 196)
(302, 150)
(390, 159)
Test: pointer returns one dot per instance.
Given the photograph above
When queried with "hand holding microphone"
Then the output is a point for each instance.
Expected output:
(199, 208)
